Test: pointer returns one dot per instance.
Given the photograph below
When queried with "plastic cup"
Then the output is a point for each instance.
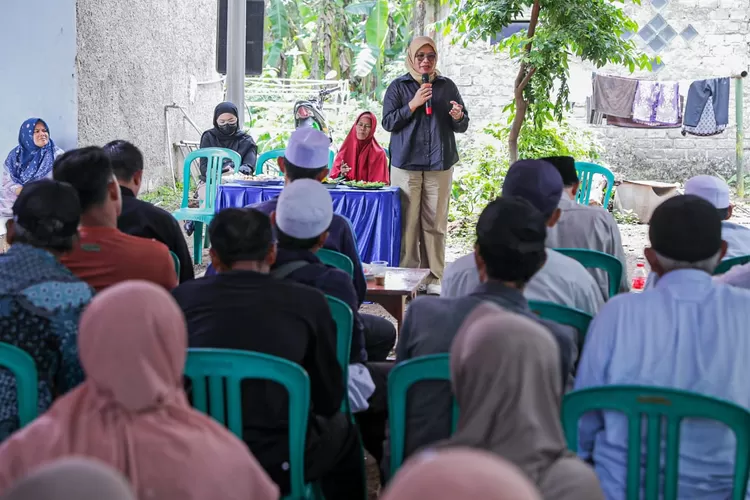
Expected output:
(378, 269)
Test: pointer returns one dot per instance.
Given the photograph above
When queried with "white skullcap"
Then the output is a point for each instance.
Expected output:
(308, 148)
(304, 209)
(710, 188)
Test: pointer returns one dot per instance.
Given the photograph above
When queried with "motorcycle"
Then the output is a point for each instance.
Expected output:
(309, 112)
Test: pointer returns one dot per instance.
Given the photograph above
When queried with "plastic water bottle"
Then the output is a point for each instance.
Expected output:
(639, 278)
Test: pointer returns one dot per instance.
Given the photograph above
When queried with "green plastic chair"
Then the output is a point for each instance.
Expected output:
(344, 318)
(176, 261)
(401, 378)
(203, 215)
(337, 260)
(23, 368)
(728, 264)
(657, 404)
(586, 172)
(564, 315)
(268, 156)
(213, 367)
(599, 260)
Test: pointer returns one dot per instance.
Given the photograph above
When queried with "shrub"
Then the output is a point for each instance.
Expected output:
(485, 161)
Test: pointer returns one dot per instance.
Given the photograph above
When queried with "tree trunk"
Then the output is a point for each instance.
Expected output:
(420, 12)
(525, 72)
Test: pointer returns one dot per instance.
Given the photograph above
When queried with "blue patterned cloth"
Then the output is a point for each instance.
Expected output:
(40, 303)
(27, 161)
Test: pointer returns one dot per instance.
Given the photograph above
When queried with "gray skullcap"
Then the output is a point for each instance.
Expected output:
(304, 209)
(308, 148)
(537, 182)
(686, 228)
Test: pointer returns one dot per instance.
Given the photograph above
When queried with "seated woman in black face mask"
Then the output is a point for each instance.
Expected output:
(227, 133)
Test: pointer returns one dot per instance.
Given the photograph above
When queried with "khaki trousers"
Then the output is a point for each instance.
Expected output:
(425, 197)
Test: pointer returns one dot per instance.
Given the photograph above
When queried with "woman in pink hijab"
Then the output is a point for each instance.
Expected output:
(131, 412)
(459, 473)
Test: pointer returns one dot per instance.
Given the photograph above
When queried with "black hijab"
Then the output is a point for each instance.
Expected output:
(236, 139)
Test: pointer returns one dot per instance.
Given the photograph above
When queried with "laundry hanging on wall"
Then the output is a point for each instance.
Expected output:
(631, 103)
(707, 109)
(658, 104)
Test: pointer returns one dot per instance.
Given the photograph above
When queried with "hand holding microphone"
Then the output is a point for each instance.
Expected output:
(423, 96)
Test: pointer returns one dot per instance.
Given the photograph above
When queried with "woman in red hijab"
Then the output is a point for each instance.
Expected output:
(361, 158)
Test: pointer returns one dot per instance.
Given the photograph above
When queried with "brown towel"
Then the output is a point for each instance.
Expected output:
(613, 95)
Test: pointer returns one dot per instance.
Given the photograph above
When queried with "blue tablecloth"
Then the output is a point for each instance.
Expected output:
(375, 215)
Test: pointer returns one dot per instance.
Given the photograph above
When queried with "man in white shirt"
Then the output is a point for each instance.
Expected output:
(561, 280)
(688, 333)
(587, 227)
(716, 192)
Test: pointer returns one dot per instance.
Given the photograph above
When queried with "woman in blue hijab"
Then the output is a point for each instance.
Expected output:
(31, 160)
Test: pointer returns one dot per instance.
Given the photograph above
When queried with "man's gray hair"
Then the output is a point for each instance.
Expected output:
(708, 265)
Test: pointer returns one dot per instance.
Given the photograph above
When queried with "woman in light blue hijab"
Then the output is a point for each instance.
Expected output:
(31, 160)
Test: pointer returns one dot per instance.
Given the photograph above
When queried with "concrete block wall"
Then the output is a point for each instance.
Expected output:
(133, 59)
(722, 48)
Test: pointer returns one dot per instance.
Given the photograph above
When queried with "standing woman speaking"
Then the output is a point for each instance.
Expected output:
(423, 110)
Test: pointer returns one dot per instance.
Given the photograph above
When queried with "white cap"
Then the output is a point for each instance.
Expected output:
(308, 148)
(304, 209)
(710, 188)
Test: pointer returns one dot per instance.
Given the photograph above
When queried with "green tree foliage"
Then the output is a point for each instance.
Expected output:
(559, 30)
(355, 39)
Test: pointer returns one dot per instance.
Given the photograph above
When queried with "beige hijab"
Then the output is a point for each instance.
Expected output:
(411, 62)
(459, 474)
(505, 371)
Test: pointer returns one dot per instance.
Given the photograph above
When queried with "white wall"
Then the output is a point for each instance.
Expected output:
(37, 64)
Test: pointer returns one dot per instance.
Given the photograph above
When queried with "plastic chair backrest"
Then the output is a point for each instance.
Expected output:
(214, 165)
(401, 378)
(657, 404)
(176, 261)
(268, 156)
(728, 264)
(337, 260)
(23, 368)
(586, 172)
(600, 260)
(564, 315)
(344, 318)
(213, 367)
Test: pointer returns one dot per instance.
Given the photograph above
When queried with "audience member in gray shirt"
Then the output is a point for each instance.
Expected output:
(509, 251)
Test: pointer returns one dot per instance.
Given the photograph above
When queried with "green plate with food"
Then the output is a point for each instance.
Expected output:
(365, 185)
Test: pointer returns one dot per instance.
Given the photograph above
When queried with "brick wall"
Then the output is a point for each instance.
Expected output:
(720, 48)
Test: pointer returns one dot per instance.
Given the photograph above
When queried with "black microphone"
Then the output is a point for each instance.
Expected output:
(428, 104)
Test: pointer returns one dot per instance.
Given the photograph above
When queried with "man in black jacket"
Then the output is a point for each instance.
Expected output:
(140, 218)
(423, 111)
(243, 307)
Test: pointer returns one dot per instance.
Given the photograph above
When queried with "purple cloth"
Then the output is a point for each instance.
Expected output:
(657, 103)
(375, 215)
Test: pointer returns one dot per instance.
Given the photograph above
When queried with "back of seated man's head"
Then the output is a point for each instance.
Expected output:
(566, 166)
(510, 241)
(241, 239)
(90, 172)
(537, 182)
(303, 215)
(306, 155)
(45, 215)
(685, 233)
(713, 190)
(127, 163)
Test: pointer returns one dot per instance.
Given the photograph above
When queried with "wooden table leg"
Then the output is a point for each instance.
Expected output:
(394, 305)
